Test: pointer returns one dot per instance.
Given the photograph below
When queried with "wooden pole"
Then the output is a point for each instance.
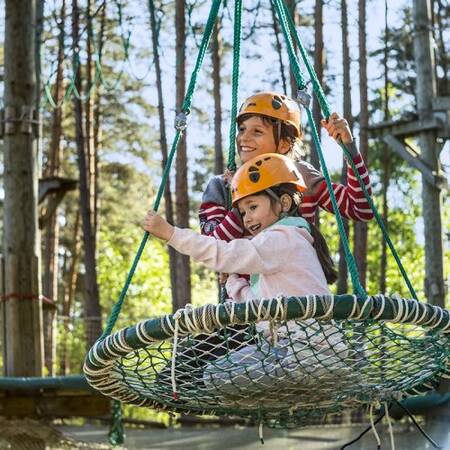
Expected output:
(431, 195)
(21, 249)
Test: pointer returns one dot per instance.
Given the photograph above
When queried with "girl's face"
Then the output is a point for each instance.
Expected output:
(255, 137)
(258, 212)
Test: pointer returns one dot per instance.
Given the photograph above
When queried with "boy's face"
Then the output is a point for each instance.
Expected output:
(258, 212)
(255, 137)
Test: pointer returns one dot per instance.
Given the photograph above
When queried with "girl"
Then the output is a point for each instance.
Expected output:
(286, 255)
(271, 123)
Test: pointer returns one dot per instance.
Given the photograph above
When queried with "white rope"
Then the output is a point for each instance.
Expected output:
(374, 430)
(417, 308)
(391, 431)
(176, 317)
(360, 315)
(400, 310)
(261, 432)
(437, 323)
(355, 304)
(383, 305)
(329, 313)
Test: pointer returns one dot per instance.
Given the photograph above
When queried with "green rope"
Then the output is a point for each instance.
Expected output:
(235, 84)
(380, 222)
(185, 109)
(349, 258)
(201, 54)
(116, 435)
(351, 263)
(295, 67)
(309, 67)
(320, 95)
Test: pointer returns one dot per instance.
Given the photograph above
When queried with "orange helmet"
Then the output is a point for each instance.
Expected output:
(274, 105)
(263, 172)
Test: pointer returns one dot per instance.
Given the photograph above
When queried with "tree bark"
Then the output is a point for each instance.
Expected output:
(92, 308)
(342, 284)
(360, 234)
(443, 87)
(183, 269)
(431, 195)
(164, 152)
(70, 287)
(279, 49)
(51, 243)
(385, 158)
(23, 305)
(292, 8)
(319, 56)
(216, 63)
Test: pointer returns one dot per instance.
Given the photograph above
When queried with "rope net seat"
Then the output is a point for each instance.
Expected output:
(356, 351)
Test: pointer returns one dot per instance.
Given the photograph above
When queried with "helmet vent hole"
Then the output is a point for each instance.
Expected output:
(277, 103)
(254, 176)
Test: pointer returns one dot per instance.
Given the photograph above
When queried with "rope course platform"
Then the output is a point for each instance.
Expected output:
(45, 397)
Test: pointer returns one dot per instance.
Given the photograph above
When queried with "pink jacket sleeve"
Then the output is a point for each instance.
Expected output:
(238, 288)
(265, 253)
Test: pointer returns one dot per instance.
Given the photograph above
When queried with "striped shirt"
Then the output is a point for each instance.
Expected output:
(217, 221)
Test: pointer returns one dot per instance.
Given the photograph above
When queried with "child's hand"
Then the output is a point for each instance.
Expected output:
(227, 176)
(223, 277)
(156, 225)
(338, 128)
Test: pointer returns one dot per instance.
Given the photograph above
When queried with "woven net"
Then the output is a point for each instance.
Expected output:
(280, 370)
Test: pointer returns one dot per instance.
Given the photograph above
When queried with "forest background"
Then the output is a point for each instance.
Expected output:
(101, 68)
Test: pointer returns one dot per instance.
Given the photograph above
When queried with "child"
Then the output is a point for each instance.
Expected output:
(286, 255)
(271, 123)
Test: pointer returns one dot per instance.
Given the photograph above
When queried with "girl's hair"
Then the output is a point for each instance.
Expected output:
(319, 244)
(281, 131)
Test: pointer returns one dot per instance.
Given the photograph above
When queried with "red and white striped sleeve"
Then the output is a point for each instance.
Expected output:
(216, 221)
(350, 198)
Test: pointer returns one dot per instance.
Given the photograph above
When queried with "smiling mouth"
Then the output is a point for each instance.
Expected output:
(254, 228)
(245, 149)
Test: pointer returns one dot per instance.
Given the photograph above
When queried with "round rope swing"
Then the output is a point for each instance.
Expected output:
(323, 354)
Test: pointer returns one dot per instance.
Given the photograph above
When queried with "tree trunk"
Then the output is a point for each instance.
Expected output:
(183, 269)
(431, 195)
(92, 166)
(164, 151)
(23, 305)
(216, 62)
(319, 56)
(69, 292)
(342, 285)
(385, 158)
(292, 8)
(279, 48)
(92, 308)
(360, 234)
(51, 243)
(444, 85)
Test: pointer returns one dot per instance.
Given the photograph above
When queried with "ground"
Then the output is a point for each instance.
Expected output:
(30, 434)
(36, 435)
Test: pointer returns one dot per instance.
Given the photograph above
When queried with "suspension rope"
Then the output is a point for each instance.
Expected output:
(180, 126)
(324, 106)
(235, 84)
(351, 263)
